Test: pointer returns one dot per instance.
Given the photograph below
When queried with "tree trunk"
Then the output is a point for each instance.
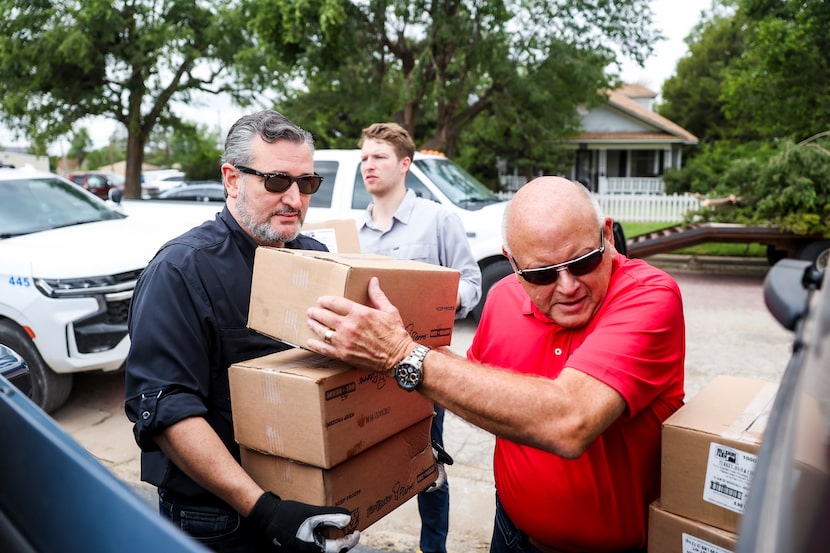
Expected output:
(135, 159)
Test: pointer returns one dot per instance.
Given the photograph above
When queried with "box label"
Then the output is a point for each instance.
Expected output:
(728, 475)
(327, 236)
(691, 544)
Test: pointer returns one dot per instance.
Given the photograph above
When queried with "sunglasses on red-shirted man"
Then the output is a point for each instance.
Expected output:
(580, 266)
(280, 182)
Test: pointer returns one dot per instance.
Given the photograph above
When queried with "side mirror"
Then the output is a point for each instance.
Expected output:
(115, 195)
(788, 285)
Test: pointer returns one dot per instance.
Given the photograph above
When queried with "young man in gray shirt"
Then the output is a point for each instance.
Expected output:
(399, 224)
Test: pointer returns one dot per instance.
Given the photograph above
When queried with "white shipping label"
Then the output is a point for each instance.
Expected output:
(692, 544)
(728, 475)
(327, 236)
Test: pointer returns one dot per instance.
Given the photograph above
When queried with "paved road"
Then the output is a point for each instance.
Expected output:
(729, 331)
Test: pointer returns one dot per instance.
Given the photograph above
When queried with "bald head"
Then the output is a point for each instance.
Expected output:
(547, 210)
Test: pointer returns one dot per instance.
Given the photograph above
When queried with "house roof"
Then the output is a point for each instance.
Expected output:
(624, 100)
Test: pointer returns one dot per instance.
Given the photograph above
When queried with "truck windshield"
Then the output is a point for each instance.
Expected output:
(458, 185)
(41, 203)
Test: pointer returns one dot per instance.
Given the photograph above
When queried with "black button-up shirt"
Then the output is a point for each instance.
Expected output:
(187, 326)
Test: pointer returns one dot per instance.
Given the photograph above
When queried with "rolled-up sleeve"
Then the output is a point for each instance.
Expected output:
(166, 380)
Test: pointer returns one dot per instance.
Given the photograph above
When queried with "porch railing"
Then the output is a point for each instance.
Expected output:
(647, 207)
(631, 185)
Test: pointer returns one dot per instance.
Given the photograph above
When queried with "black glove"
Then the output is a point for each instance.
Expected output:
(296, 527)
(441, 458)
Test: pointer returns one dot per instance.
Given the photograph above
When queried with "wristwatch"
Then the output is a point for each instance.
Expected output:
(409, 371)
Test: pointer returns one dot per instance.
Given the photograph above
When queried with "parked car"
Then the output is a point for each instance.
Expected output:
(57, 498)
(788, 505)
(155, 182)
(195, 191)
(432, 176)
(68, 266)
(14, 369)
(98, 182)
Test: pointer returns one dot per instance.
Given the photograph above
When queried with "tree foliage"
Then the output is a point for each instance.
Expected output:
(64, 61)
(780, 86)
(197, 151)
(446, 68)
(789, 189)
(692, 96)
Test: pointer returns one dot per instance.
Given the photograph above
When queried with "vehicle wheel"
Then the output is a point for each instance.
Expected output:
(50, 390)
(490, 275)
(811, 251)
(774, 255)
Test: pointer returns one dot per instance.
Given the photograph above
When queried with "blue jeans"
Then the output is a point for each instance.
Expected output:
(434, 506)
(216, 526)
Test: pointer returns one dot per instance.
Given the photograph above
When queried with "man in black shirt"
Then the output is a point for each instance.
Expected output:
(188, 325)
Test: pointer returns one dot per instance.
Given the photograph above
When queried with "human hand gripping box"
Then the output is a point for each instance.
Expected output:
(311, 408)
(287, 282)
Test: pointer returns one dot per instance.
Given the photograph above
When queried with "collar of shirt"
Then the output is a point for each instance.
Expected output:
(403, 213)
(246, 244)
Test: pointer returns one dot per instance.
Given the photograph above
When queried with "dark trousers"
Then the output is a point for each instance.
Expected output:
(507, 538)
(215, 525)
(434, 506)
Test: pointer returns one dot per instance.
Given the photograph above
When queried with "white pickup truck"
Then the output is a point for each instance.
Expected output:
(69, 261)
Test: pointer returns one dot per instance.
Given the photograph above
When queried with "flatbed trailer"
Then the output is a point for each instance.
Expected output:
(780, 244)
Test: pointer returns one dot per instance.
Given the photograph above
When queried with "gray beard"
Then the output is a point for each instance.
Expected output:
(262, 232)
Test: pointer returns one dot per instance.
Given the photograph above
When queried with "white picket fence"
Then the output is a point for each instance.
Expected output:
(645, 208)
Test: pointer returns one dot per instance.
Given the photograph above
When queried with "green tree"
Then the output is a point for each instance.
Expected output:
(692, 96)
(439, 66)
(64, 61)
(789, 189)
(79, 145)
(780, 86)
(197, 151)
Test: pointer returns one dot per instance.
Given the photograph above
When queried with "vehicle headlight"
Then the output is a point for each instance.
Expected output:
(86, 286)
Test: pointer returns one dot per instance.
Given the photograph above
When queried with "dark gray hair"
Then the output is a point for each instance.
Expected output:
(270, 126)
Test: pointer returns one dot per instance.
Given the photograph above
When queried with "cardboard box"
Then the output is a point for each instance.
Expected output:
(370, 485)
(670, 533)
(339, 235)
(710, 448)
(311, 408)
(287, 282)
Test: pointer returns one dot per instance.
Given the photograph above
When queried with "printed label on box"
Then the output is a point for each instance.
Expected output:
(728, 475)
(327, 236)
(691, 544)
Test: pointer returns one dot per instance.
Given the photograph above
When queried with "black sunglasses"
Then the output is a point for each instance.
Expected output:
(280, 182)
(580, 266)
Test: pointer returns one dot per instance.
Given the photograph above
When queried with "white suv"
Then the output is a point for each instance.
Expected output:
(432, 176)
(68, 266)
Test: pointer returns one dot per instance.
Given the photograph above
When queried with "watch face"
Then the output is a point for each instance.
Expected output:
(408, 376)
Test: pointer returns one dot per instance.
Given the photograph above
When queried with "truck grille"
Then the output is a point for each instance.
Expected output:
(106, 328)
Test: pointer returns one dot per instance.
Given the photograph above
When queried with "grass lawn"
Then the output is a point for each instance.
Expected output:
(710, 248)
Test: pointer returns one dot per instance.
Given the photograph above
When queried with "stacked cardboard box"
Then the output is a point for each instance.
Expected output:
(315, 430)
(709, 451)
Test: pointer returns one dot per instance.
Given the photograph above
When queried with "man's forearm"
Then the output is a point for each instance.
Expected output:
(199, 452)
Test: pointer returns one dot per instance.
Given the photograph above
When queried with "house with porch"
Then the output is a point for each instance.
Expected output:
(625, 147)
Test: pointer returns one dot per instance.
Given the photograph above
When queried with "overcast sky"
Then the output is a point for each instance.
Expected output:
(674, 18)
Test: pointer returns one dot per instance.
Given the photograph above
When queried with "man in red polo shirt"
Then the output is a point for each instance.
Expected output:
(577, 361)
